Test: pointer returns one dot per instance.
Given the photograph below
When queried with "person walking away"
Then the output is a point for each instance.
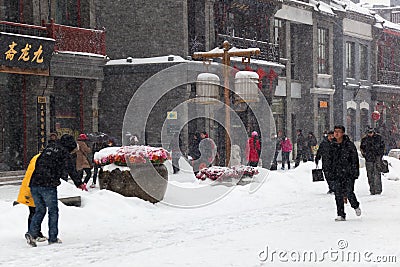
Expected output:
(372, 148)
(286, 147)
(25, 196)
(253, 149)
(97, 146)
(301, 148)
(83, 164)
(43, 184)
(311, 143)
(323, 153)
(194, 151)
(175, 147)
(345, 170)
(278, 139)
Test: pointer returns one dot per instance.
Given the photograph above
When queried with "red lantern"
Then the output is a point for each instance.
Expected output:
(376, 115)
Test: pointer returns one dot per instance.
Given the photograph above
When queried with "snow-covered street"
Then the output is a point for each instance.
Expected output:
(288, 218)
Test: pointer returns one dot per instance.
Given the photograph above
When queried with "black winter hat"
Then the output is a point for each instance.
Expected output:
(68, 142)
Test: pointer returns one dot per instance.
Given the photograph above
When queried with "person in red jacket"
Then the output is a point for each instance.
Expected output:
(253, 149)
(286, 147)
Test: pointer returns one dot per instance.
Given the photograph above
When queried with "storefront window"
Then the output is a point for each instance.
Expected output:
(364, 62)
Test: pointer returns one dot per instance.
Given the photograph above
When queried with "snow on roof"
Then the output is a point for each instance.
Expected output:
(350, 6)
(386, 23)
(246, 74)
(28, 36)
(149, 60)
(81, 54)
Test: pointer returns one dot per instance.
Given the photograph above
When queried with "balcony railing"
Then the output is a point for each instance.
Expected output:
(389, 77)
(269, 51)
(25, 29)
(67, 38)
(77, 39)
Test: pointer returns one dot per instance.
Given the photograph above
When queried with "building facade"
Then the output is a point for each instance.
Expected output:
(51, 72)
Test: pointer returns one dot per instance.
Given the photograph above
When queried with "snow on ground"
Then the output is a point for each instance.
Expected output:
(288, 217)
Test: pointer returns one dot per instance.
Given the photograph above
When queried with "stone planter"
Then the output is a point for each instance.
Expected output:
(146, 181)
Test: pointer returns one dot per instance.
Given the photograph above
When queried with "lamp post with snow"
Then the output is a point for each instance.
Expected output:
(225, 54)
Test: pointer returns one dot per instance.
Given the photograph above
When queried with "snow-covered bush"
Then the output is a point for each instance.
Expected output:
(131, 154)
(223, 173)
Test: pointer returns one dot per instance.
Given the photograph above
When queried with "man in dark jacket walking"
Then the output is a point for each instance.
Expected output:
(345, 170)
(372, 148)
(301, 148)
(50, 166)
(324, 153)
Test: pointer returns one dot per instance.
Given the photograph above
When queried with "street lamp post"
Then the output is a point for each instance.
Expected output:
(226, 55)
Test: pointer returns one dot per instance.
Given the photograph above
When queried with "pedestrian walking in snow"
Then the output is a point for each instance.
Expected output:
(25, 196)
(372, 148)
(323, 153)
(301, 148)
(286, 147)
(277, 139)
(83, 163)
(311, 143)
(43, 184)
(253, 150)
(345, 170)
(175, 147)
(97, 146)
(194, 151)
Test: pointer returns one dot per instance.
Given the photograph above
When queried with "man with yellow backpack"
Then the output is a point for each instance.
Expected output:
(25, 196)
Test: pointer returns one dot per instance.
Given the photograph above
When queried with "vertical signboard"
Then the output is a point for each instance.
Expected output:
(41, 113)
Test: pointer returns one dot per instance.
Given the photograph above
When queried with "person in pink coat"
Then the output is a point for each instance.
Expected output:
(253, 149)
(286, 147)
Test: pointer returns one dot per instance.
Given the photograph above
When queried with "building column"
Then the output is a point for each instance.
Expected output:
(288, 104)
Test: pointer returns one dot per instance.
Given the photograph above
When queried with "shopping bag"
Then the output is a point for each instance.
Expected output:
(317, 175)
(384, 166)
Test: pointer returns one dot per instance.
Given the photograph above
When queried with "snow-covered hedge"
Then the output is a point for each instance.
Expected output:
(132, 154)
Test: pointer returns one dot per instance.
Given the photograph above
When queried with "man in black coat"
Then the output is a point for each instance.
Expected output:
(324, 153)
(345, 170)
(50, 166)
(301, 148)
(372, 148)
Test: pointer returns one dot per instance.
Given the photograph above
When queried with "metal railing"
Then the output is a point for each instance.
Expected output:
(67, 38)
(389, 77)
(269, 51)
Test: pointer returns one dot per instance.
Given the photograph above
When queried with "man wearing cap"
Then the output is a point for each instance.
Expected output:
(372, 148)
(324, 154)
(49, 168)
(345, 170)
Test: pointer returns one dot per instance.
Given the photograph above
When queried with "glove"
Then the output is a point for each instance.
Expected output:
(83, 187)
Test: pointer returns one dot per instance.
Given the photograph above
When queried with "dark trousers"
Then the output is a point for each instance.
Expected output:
(285, 158)
(345, 188)
(95, 172)
(374, 176)
(88, 172)
(330, 181)
(175, 165)
(31, 213)
(301, 154)
(44, 198)
(253, 163)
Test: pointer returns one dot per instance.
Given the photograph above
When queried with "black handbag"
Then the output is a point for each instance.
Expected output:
(317, 175)
(384, 166)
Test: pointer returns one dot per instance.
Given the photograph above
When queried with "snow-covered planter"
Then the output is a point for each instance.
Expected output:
(128, 155)
(134, 171)
(226, 173)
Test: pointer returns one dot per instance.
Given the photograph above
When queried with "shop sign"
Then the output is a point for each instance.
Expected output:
(323, 104)
(25, 54)
(41, 114)
(376, 115)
